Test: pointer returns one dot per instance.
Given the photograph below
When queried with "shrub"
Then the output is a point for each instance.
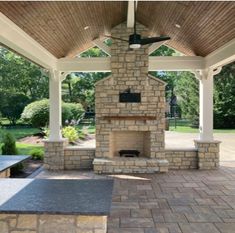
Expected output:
(37, 113)
(9, 145)
(70, 133)
(9, 148)
(76, 110)
(37, 154)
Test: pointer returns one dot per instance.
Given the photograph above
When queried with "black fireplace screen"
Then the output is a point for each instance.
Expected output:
(129, 97)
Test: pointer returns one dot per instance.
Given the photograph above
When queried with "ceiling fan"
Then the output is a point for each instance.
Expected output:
(135, 41)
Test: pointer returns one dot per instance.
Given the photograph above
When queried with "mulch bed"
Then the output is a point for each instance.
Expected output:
(30, 166)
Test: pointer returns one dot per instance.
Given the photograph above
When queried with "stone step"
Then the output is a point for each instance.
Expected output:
(129, 165)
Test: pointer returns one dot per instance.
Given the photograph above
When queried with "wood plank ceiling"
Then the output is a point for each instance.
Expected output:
(59, 26)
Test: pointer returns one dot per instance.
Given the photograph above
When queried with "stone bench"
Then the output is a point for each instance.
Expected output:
(52, 206)
(8, 161)
(129, 165)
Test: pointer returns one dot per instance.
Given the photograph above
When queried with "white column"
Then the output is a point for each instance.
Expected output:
(206, 104)
(55, 122)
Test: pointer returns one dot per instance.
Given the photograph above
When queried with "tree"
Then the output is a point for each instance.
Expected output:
(12, 105)
(22, 76)
(187, 91)
(224, 97)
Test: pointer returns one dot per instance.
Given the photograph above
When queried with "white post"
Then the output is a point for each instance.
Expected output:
(206, 104)
(55, 106)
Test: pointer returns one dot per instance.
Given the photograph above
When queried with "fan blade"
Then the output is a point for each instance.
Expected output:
(116, 38)
(153, 40)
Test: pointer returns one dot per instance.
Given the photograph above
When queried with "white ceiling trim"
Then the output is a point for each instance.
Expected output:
(100, 44)
(16, 39)
(131, 13)
(222, 56)
(98, 64)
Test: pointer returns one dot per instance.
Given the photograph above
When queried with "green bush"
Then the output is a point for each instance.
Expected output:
(9, 145)
(37, 113)
(37, 154)
(70, 133)
(76, 110)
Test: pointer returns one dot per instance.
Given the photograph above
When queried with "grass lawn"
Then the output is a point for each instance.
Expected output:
(24, 149)
(20, 132)
(183, 126)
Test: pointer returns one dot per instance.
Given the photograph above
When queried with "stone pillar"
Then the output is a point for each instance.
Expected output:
(54, 154)
(208, 148)
(208, 154)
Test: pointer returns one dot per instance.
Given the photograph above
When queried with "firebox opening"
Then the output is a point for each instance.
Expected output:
(130, 141)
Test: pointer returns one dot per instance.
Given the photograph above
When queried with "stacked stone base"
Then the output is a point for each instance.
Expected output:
(5, 174)
(129, 165)
(182, 158)
(78, 158)
(208, 154)
(35, 223)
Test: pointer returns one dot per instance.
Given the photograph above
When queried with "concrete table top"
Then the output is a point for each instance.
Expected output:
(45, 196)
(8, 161)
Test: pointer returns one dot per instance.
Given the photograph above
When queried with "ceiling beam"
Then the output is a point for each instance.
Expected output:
(100, 44)
(102, 64)
(92, 64)
(176, 63)
(16, 39)
(131, 13)
(222, 56)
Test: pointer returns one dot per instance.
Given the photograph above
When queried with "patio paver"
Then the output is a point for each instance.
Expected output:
(175, 202)
(150, 203)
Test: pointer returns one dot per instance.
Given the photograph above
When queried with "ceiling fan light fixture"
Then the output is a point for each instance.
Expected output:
(135, 46)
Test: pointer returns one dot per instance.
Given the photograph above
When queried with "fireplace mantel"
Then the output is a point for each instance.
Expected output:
(130, 118)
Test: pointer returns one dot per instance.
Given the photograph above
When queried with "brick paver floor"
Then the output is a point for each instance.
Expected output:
(177, 202)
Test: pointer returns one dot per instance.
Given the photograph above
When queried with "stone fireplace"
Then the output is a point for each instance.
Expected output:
(130, 111)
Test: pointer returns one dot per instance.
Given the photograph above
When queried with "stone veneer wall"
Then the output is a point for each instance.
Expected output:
(207, 157)
(5, 174)
(22, 223)
(208, 154)
(54, 154)
(78, 158)
(182, 158)
(129, 70)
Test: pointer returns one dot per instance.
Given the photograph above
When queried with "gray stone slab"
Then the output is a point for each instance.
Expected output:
(29, 196)
(8, 161)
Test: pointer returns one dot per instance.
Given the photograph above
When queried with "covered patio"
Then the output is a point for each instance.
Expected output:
(50, 34)
(53, 34)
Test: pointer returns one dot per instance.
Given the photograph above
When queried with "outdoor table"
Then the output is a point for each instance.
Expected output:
(8, 161)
